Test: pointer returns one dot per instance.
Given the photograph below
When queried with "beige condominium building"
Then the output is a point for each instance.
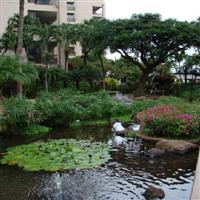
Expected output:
(54, 12)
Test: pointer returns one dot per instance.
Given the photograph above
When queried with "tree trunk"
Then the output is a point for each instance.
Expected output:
(1, 94)
(85, 61)
(20, 44)
(103, 72)
(66, 61)
(77, 85)
(46, 77)
(185, 76)
(140, 91)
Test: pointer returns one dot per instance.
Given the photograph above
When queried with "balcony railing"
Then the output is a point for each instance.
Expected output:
(71, 19)
(71, 8)
(43, 2)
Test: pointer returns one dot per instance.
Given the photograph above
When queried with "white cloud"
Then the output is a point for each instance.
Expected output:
(179, 9)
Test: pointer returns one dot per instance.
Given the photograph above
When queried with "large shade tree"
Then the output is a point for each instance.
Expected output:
(147, 41)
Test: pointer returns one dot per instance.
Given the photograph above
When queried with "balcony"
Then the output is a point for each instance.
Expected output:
(42, 5)
(71, 6)
(71, 17)
(45, 17)
(43, 2)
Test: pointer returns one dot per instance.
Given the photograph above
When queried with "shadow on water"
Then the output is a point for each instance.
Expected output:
(124, 177)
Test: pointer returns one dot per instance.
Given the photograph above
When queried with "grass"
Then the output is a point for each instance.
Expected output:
(124, 118)
(98, 123)
(131, 134)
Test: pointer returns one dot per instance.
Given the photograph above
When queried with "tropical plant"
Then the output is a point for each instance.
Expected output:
(17, 113)
(67, 37)
(9, 73)
(46, 34)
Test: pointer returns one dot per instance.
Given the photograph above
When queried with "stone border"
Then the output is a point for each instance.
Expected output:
(157, 139)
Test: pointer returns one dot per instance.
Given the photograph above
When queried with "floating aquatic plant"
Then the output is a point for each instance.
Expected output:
(57, 155)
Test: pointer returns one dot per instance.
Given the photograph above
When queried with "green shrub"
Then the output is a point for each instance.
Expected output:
(189, 92)
(112, 83)
(64, 107)
(34, 129)
(140, 105)
(18, 113)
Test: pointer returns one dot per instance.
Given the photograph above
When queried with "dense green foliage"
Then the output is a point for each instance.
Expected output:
(9, 74)
(18, 113)
(60, 108)
(57, 155)
(145, 41)
(63, 107)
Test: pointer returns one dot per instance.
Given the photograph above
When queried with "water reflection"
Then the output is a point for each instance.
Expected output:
(125, 177)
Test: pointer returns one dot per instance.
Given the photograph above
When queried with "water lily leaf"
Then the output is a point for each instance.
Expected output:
(55, 155)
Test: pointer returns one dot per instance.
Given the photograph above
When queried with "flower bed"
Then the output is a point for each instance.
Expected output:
(167, 121)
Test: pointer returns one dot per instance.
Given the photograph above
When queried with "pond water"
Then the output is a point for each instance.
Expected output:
(124, 177)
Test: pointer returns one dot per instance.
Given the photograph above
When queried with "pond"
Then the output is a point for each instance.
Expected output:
(124, 177)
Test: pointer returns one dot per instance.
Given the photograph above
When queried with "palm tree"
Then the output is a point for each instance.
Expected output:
(20, 43)
(8, 40)
(85, 33)
(9, 72)
(45, 34)
(67, 37)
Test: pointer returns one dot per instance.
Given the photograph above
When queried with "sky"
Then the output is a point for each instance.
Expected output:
(180, 9)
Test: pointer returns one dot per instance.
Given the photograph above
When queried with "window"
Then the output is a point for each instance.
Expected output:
(97, 10)
(70, 6)
(31, 13)
(71, 17)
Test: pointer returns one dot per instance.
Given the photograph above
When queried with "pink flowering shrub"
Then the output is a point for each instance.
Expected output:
(167, 121)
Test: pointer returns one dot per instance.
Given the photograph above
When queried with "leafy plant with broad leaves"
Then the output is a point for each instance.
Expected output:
(57, 155)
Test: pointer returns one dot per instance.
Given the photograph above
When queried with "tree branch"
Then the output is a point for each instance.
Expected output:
(130, 59)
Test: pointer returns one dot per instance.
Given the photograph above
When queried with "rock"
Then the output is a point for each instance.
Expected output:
(153, 192)
(154, 152)
(176, 146)
(117, 127)
(134, 127)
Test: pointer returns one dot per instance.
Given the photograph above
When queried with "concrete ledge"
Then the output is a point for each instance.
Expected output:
(195, 195)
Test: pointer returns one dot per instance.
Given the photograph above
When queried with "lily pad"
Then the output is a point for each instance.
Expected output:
(56, 155)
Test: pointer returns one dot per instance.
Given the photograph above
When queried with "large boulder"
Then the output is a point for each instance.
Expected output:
(154, 152)
(176, 146)
(153, 193)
